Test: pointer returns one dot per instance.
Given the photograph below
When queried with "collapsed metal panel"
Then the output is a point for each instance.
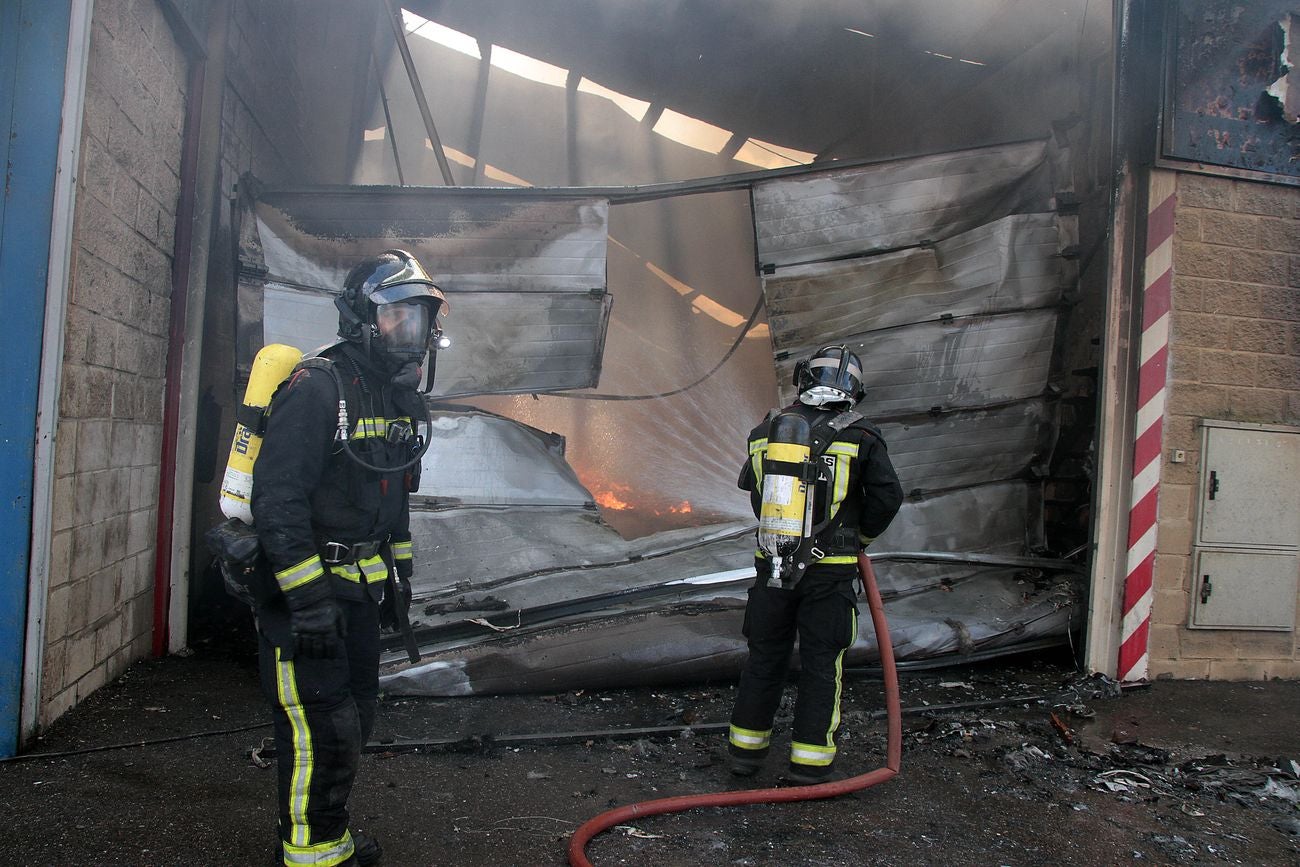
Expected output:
(1006, 265)
(949, 364)
(978, 447)
(897, 204)
(957, 335)
(540, 598)
(479, 459)
(697, 636)
(963, 320)
(524, 277)
(996, 518)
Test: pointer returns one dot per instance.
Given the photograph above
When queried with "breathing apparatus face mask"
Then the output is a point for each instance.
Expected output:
(824, 395)
(403, 330)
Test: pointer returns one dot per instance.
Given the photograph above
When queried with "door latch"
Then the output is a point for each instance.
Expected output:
(1214, 483)
(1206, 589)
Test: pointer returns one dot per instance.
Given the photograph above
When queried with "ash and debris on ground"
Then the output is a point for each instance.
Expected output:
(1025, 761)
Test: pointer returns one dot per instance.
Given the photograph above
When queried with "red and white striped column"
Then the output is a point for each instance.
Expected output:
(1152, 393)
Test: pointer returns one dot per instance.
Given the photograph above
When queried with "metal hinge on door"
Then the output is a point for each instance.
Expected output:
(1206, 589)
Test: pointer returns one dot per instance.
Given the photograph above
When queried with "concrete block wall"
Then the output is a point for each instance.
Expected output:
(108, 441)
(1234, 354)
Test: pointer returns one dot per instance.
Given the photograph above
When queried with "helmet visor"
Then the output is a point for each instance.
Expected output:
(840, 372)
(404, 328)
(392, 292)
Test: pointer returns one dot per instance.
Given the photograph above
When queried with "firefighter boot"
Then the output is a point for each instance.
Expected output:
(745, 763)
(366, 850)
(808, 775)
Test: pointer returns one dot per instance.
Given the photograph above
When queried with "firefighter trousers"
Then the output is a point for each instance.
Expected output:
(323, 712)
(822, 614)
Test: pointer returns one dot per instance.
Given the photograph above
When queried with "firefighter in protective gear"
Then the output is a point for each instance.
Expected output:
(331, 515)
(857, 500)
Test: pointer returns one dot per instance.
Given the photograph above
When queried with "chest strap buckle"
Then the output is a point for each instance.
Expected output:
(341, 553)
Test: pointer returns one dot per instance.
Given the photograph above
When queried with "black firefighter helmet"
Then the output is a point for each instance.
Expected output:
(831, 376)
(391, 306)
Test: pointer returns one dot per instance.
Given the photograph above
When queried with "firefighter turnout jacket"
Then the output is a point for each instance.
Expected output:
(318, 512)
(323, 517)
(861, 498)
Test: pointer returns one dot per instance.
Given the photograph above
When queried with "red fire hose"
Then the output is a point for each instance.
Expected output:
(893, 754)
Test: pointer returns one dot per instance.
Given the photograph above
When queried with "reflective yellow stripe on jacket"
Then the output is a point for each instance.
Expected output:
(376, 428)
(300, 573)
(367, 571)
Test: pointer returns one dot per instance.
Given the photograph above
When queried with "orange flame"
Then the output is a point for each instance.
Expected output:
(609, 500)
(683, 509)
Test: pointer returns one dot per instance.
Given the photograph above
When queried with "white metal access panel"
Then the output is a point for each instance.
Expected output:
(1247, 554)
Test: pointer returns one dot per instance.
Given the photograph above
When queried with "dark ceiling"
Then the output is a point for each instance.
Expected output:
(839, 78)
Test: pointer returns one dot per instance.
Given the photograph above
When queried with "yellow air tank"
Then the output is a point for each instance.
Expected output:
(784, 517)
(270, 366)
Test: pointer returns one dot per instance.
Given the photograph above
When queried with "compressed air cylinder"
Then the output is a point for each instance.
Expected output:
(270, 366)
(784, 510)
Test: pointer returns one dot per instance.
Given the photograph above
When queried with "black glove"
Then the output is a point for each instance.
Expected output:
(315, 621)
(387, 611)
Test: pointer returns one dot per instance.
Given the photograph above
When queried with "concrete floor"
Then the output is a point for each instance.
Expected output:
(1030, 763)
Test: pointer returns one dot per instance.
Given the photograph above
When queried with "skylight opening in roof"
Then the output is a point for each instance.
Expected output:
(490, 171)
(444, 36)
(769, 156)
(691, 132)
(458, 157)
(635, 108)
(528, 67)
(493, 173)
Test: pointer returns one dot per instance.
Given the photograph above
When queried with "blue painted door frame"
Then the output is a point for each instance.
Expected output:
(33, 54)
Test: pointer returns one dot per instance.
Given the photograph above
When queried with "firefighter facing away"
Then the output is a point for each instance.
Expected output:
(822, 485)
(330, 503)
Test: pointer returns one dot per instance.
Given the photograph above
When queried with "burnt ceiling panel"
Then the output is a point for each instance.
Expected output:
(524, 277)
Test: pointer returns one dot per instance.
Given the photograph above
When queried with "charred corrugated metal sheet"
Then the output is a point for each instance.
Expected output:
(898, 204)
(984, 445)
(697, 635)
(948, 364)
(479, 459)
(540, 555)
(994, 518)
(524, 277)
(958, 340)
(1009, 265)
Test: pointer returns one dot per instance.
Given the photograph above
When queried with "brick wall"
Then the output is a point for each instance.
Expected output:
(109, 434)
(1234, 355)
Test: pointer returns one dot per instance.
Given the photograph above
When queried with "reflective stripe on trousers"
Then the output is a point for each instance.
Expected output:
(323, 710)
(749, 739)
